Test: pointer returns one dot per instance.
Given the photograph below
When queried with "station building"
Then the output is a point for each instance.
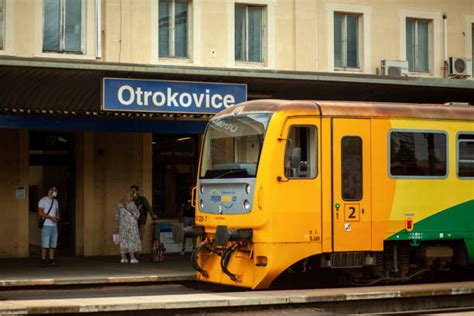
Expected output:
(61, 122)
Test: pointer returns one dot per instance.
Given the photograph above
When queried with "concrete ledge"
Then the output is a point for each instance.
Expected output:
(236, 299)
(93, 270)
(98, 280)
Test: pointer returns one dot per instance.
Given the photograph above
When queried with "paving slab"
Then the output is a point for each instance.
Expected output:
(93, 270)
(202, 301)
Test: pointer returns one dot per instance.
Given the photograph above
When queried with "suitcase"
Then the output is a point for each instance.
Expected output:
(158, 249)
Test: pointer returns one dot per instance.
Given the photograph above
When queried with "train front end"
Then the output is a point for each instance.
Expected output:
(228, 219)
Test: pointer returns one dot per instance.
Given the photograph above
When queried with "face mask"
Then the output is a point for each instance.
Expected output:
(54, 194)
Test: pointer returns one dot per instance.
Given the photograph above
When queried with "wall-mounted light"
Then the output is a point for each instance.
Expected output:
(183, 139)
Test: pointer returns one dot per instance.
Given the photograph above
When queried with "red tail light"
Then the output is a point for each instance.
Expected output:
(409, 224)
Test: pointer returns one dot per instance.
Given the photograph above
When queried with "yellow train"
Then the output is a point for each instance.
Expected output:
(377, 190)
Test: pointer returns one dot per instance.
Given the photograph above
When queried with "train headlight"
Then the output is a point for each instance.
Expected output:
(201, 204)
(246, 205)
(247, 189)
(202, 189)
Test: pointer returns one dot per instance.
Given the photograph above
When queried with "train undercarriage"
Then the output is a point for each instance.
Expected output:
(400, 262)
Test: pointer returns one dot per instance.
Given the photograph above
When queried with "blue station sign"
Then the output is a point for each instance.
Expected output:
(170, 96)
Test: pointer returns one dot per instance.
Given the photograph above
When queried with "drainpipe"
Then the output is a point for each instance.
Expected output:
(98, 35)
(446, 58)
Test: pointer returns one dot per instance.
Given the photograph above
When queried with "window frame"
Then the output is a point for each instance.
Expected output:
(359, 16)
(389, 150)
(458, 154)
(316, 130)
(264, 8)
(171, 40)
(361, 169)
(62, 34)
(3, 33)
(415, 49)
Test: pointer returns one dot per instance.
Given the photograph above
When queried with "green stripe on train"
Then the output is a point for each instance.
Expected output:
(454, 223)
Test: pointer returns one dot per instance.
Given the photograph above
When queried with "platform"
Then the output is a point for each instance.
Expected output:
(93, 270)
(378, 298)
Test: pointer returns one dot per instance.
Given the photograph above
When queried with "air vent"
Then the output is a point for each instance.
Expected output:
(394, 71)
(347, 260)
(394, 68)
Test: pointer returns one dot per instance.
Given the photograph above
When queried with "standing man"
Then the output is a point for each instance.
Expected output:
(143, 206)
(48, 209)
(187, 214)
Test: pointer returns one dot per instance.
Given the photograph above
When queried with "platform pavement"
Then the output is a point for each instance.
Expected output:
(202, 301)
(93, 270)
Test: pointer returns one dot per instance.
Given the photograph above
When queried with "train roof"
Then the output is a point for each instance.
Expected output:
(357, 109)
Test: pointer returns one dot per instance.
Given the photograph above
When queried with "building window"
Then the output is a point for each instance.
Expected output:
(301, 153)
(173, 28)
(418, 154)
(249, 33)
(465, 146)
(63, 26)
(351, 159)
(418, 44)
(346, 40)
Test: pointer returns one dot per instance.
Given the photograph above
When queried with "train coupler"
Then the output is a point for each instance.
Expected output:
(224, 235)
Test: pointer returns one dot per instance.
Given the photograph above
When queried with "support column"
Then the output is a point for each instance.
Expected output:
(147, 182)
(84, 184)
(23, 205)
(14, 173)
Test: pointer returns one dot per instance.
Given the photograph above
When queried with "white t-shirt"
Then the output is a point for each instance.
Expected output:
(45, 203)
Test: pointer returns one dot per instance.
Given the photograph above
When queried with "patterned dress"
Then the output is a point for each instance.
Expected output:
(126, 218)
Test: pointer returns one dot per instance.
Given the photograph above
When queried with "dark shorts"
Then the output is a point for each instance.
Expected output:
(141, 230)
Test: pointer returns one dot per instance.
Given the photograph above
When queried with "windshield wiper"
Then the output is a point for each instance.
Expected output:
(228, 172)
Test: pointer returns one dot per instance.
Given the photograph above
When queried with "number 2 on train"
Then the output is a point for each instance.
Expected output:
(351, 213)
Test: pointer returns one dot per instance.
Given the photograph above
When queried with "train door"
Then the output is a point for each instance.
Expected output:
(298, 194)
(351, 185)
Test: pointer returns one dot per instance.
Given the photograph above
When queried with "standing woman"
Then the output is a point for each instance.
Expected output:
(126, 218)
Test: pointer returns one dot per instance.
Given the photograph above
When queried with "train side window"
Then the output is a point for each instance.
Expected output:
(418, 154)
(301, 153)
(465, 156)
(351, 160)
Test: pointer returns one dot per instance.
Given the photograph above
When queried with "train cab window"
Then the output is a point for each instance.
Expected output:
(351, 159)
(301, 153)
(465, 156)
(418, 154)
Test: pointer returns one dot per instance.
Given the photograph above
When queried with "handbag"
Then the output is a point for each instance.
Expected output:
(43, 219)
(116, 239)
